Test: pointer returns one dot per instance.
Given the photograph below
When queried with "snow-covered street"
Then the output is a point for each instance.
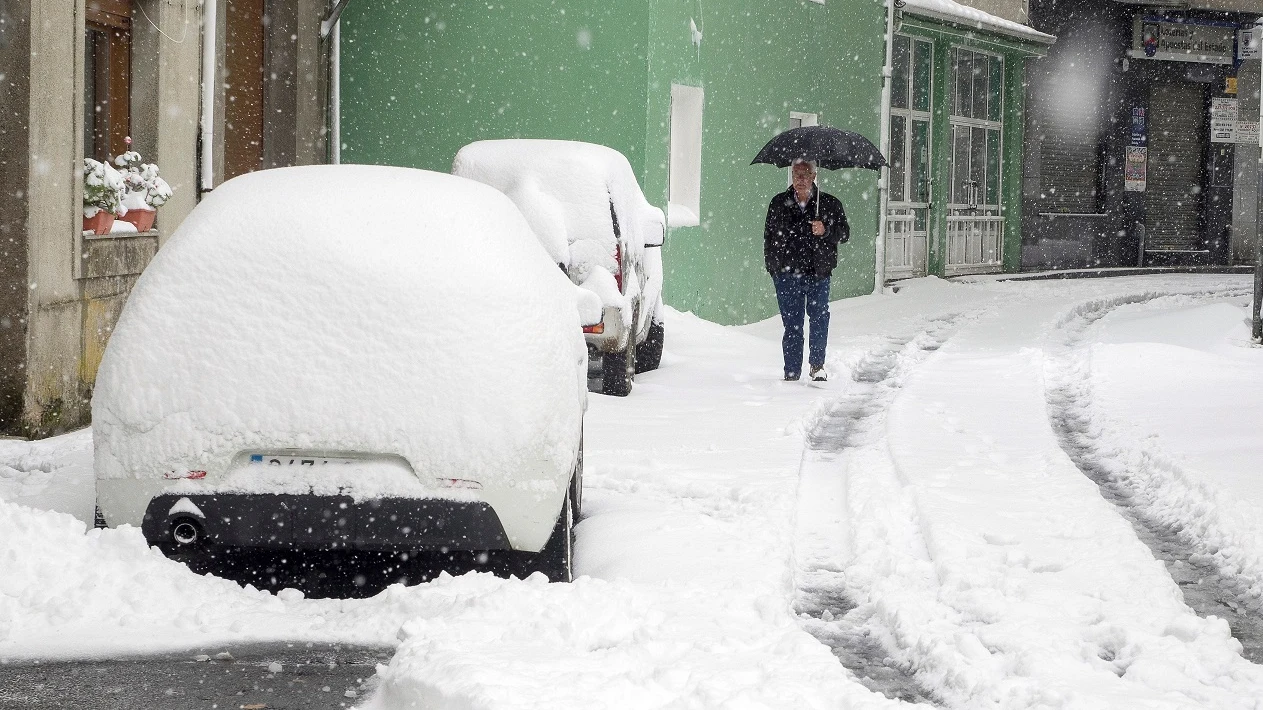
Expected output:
(967, 512)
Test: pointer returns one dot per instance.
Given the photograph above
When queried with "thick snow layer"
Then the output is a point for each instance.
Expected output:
(346, 309)
(953, 11)
(566, 189)
(925, 482)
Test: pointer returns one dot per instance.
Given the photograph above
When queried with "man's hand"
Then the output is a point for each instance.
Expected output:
(817, 228)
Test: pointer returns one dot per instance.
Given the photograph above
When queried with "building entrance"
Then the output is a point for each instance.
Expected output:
(1177, 143)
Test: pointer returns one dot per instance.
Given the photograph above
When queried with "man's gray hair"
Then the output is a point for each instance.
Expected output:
(809, 163)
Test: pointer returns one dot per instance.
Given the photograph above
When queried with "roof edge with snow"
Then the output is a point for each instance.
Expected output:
(958, 14)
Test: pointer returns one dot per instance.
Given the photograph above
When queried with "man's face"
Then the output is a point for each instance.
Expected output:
(804, 176)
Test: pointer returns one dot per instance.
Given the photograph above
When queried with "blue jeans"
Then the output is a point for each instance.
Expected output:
(794, 294)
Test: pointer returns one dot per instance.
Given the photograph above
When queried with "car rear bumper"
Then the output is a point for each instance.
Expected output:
(311, 522)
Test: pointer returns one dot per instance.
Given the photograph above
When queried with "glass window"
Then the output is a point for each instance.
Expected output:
(107, 78)
(993, 167)
(960, 165)
(962, 71)
(977, 162)
(981, 88)
(997, 89)
(920, 161)
(900, 64)
(922, 67)
(898, 162)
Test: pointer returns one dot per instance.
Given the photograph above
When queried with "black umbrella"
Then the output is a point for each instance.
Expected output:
(828, 147)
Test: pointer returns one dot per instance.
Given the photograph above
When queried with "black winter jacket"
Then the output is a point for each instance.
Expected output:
(788, 244)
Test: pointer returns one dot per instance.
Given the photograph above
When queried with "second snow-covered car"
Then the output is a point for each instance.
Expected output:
(585, 206)
(307, 365)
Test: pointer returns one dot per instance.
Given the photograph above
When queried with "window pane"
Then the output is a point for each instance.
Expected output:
(978, 160)
(960, 67)
(921, 69)
(993, 167)
(997, 88)
(898, 158)
(982, 81)
(960, 164)
(920, 161)
(900, 64)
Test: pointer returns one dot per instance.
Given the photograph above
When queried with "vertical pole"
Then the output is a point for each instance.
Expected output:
(883, 183)
(209, 40)
(1256, 320)
(335, 96)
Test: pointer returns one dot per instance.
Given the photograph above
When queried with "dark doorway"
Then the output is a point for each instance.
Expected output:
(1177, 144)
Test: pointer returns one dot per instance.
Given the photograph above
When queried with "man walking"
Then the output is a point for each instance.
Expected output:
(800, 249)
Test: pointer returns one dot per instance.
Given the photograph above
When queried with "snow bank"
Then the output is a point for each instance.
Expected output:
(346, 308)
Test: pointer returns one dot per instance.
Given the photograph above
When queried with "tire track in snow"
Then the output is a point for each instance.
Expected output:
(1215, 580)
(854, 420)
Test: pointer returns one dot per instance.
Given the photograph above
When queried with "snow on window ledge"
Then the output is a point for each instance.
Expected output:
(681, 216)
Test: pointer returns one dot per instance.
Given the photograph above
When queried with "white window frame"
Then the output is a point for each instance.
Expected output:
(684, 173)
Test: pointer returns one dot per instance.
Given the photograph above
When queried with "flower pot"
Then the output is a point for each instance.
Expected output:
(99, 223)
(143, 219)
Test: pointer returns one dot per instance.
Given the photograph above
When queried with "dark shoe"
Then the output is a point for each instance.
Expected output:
(818, 374)
(792, 378)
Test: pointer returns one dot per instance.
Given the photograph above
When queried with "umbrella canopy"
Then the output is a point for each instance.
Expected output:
(828, 147)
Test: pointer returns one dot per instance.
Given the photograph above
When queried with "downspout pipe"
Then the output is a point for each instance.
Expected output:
(1256, 317)
(210, 13)
(883, 183)
(331, 31)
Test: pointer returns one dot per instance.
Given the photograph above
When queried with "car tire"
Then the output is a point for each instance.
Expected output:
(556, 560)
(649, 353)
(618, 369)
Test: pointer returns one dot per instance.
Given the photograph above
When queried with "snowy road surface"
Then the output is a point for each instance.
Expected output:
(927, 526)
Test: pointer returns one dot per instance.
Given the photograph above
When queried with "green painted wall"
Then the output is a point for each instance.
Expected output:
(758, 61)
(422, 78)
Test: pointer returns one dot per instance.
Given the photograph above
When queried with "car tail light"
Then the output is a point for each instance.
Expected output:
(597, 329)
(459, 483)
(174, 476)
(618, 264)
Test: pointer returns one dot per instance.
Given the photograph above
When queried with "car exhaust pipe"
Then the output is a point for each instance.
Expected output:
(186, 531)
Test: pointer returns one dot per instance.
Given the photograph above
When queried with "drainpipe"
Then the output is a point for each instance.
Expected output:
(331, 29)
(1256, 319)
(210, 14)
(883, 183)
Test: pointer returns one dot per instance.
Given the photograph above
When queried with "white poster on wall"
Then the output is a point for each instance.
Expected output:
(1247, 133)
(1223, 120)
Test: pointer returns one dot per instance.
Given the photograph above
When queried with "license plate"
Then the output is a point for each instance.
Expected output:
(287, 460)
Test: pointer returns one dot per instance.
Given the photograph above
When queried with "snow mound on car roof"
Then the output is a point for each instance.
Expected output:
(346, 308)
(565, 188)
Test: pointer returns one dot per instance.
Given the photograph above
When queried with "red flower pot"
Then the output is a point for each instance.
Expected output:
(99, 224)
(143, 219)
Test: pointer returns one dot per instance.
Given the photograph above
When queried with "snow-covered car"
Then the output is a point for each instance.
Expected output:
(585, 206)
(307, 364)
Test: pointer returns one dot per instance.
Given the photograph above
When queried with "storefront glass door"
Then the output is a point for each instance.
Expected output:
(907, 235)
(975, 220)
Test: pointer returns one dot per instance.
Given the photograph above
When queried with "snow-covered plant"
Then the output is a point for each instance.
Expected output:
(143, 189)
(103, 189)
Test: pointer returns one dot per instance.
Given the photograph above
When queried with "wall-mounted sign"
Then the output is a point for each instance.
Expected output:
(1247, 133)
(1135, 170)
(1248, 44)
(1230, 85)
(1223, 120)
(1183, 41)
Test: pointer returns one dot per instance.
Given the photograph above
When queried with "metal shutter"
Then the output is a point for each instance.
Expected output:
(1068, 173)
(1177, 126)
